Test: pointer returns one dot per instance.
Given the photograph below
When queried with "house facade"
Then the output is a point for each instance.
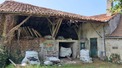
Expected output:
(99, 38)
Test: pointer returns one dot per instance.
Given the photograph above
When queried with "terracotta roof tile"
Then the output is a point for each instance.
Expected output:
(17, 7)
(101, 17)
(22, 8)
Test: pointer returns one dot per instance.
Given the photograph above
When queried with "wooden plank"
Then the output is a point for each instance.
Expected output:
(12, 62)
(30, 31)
(27, 31)
(38, 33)
(18, 34)
(35, 33)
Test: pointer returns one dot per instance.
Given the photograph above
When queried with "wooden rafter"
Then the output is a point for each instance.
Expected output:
(57, 27)
(16, 27)
(78, 30)
(38, 33)
(96, 30)
(30, 31)
(27, 31)
(35, 33)
(51, 25)
(50, 21)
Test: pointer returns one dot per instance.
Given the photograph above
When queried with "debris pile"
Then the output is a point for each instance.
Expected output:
(51, 61)
(64, 52)
(31, 57)
(84, 56)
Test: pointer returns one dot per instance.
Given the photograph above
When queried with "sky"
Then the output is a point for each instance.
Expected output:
(82, 7)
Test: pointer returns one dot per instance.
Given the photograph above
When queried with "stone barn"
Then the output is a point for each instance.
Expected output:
(28, 27)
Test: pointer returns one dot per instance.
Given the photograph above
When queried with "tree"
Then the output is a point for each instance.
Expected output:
(117, 7)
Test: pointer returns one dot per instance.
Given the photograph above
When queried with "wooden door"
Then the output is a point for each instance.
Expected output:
(93, 47)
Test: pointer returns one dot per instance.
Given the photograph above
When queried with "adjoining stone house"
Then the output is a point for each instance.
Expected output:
(103, 39)
(23, 27)
(100, 37)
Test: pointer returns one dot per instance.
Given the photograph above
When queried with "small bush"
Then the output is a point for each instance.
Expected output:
(16, 56)
(3, 57)
(114, 58)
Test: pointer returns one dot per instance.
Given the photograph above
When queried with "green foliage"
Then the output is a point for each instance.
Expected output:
(16, 56)
(3, 57)
(93, 65)
(117, 8)
(114, 58)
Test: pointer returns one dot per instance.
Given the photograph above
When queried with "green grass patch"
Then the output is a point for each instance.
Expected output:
(97, 64)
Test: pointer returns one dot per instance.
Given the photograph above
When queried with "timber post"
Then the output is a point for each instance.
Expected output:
(78, 32)
(4, 32)
(54, 30)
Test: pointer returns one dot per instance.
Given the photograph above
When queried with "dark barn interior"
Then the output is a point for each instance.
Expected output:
(34, 30)
(42, 25)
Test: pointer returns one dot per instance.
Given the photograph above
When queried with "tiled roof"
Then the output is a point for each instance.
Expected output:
(101, 17)
(22, 8)
(18, 7)
(118, 30)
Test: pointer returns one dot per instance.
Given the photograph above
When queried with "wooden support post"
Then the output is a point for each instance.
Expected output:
(78, 32)
(49, 25)
(4, 26)
(18, 34)
(57, 27)
(52, 24)
(4, 38)
(60, 21)
(79, 39)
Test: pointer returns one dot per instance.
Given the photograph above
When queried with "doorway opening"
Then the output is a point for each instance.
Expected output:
(93, 47)
(65, 50)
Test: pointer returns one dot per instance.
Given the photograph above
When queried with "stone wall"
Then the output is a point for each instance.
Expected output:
(114, 46)
(93, 30)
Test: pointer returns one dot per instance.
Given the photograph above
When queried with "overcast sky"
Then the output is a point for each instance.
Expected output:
(82, 7)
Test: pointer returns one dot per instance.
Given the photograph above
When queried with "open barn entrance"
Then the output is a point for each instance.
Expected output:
(37, 30)
(68, 49)
(65, 50)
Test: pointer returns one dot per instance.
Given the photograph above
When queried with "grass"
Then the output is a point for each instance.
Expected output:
(96, 64)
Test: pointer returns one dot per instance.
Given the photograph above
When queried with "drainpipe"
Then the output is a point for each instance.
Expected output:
(104, 39)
